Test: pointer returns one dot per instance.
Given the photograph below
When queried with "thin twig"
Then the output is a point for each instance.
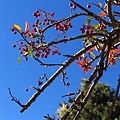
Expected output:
(47, 64)
(74, 38)
(70, 94)
(111, 16)
(66, 19)
(14, 98)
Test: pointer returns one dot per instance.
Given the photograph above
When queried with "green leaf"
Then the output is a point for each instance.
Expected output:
(39, 45)
(88, 21)
(36, 36)
(19, 60)
(25, 53)
(86, 41)
(96, 26)
(103, 31)
(92, 54)
(40, 24)
(30, 52)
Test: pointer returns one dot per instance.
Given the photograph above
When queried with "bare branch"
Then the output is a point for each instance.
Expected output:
(46, 64)
(111, 16)
(14, 98)
(74, 38)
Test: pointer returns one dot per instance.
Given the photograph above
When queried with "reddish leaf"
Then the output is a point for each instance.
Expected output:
(26, 27)
(112, 59)
(102, 14)
(30, 34)
(84, 65)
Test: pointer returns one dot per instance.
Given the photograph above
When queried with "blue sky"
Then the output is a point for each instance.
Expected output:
(18, 77)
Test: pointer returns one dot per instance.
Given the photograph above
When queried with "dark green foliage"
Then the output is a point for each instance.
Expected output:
(97, 107)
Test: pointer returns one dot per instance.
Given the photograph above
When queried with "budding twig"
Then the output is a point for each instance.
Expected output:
(14, 98)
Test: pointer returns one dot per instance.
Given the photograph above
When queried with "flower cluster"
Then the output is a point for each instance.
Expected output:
(33, 40)
(84, 64)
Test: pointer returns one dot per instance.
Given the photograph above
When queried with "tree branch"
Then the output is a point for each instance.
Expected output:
(52, 78)
(74, 38)
(96, 75)
(66, 19)
(14, 98)
(98, 18)
(111, 16)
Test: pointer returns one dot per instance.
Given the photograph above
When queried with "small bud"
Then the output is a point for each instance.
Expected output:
(71, 4)
(52, 14)
(39, 83)
(26, 89)
(88, 6)
(67, 83)
(14, 45)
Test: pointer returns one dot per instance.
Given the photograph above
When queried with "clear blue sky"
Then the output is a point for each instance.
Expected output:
(18, 77)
